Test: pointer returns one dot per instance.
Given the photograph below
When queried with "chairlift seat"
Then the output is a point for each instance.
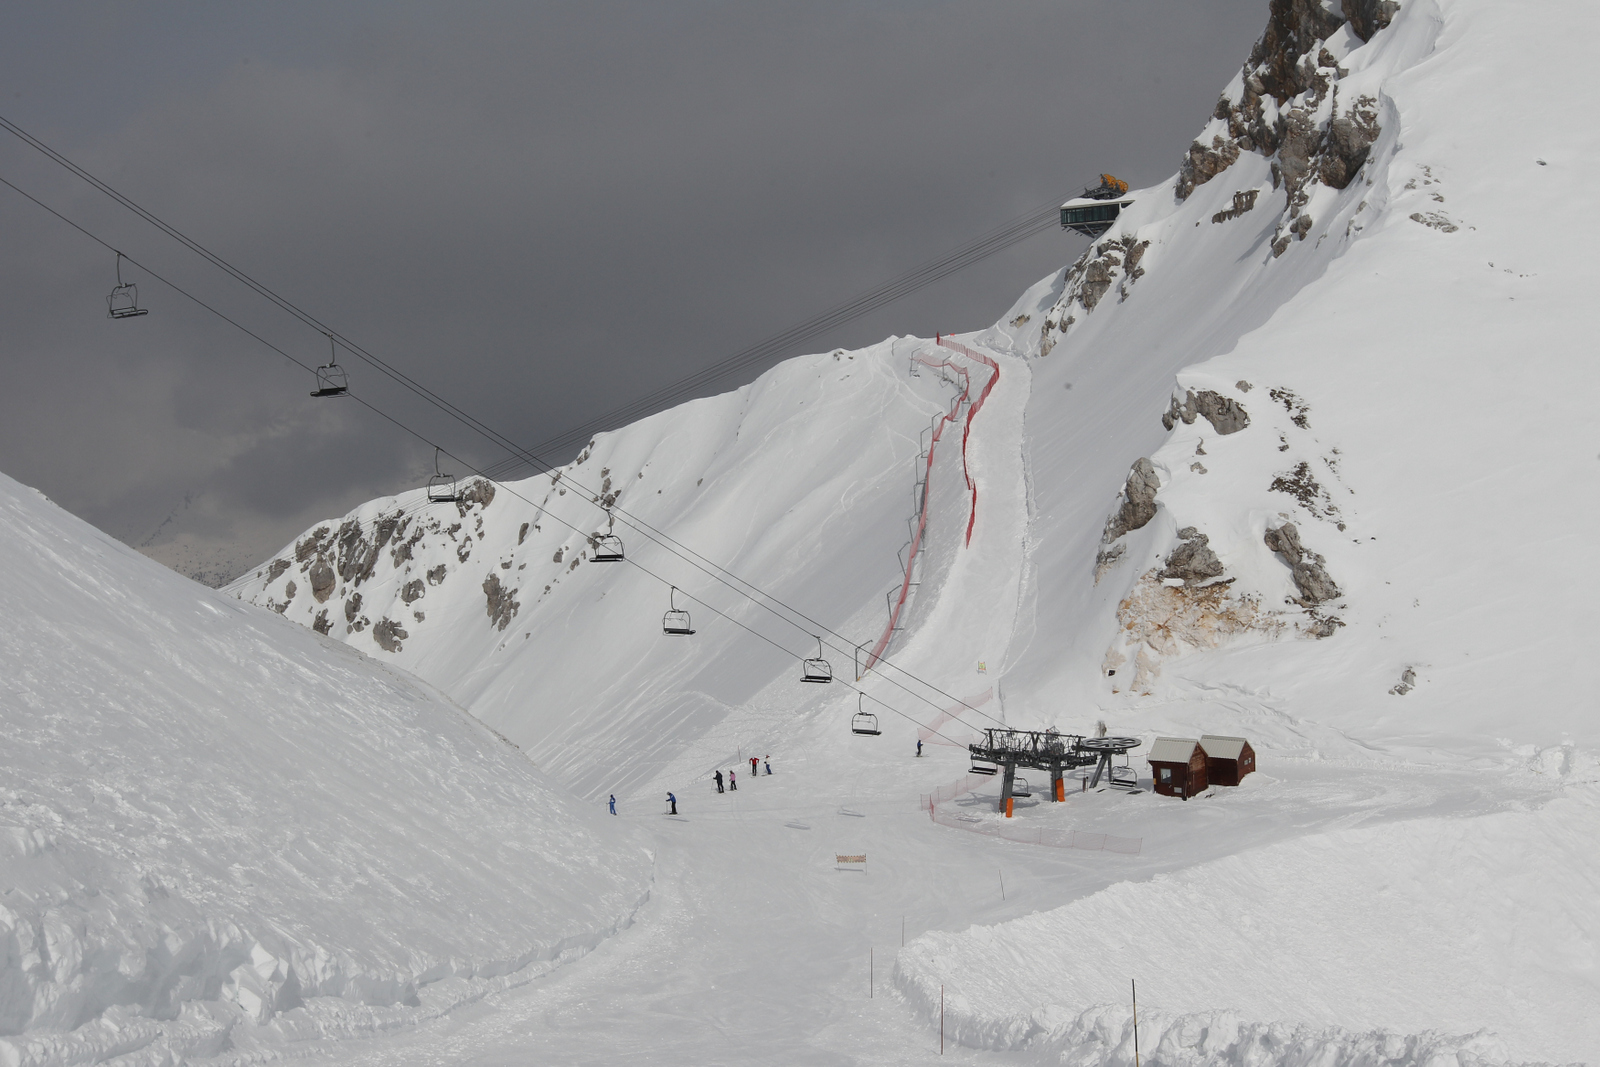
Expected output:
(608, 549)
(1019, 788)
(982, 768)
(332, 381)
(816, 670)
(865, 722)
(123, 303)
(442, 489)
(675, 623)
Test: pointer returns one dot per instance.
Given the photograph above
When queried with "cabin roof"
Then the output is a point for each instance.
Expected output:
(1219, 747)
(1172, 750)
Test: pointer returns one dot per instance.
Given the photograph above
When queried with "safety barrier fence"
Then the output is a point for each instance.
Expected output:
(1010, 830)
(964, 408)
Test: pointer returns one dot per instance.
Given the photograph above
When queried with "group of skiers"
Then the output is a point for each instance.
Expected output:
(733, 780)
(756, 765)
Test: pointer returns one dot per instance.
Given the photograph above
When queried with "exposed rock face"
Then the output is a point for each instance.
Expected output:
(352, 608)
(1306, 568)
(1294, 29)
(322, 624)
(275, 571)
(436, 575)
(413, 591)
(322, 580)
(1160, 621)
(1287, 108)
(1408, 682)
(1193, 560)
(1138, 502)
(1225, 414)
(1242, 202)
(1088, 281)
(1204, 163)
(1367, 17)
(480, 491)
(502, 601)
(389, 634)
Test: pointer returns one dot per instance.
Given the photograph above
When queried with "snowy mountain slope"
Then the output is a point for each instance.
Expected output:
(1418, 414)
(1358, 537)
(800, 482)
(218, 830)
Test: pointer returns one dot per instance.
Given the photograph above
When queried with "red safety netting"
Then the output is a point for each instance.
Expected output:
(964, 408)
(1010, 830)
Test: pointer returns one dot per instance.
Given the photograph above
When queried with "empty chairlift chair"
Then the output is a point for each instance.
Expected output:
(608, 546)
(817, 669)
(123, 303)
(441, 487)
(675, 623)
(331, 379)
(864, 722)
(982, 768)
(1019, 787)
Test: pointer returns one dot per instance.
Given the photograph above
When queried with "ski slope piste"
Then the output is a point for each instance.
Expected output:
(1301, 449)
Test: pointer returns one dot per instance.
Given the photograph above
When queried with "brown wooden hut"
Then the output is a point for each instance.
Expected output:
(1228, 759)
(1178, 767)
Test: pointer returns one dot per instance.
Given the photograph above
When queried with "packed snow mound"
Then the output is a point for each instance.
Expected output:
(218, 829)
(1352, 930)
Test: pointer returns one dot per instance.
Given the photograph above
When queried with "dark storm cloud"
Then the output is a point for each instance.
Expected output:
(542, 212)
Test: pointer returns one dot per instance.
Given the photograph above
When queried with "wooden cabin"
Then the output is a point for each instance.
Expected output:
(1178, 767)
(1228, 759)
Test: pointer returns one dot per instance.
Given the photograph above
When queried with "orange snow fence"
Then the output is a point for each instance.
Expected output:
(963, 403)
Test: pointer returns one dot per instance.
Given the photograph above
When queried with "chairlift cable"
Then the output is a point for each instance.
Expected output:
(425, 440)
(1028, 225)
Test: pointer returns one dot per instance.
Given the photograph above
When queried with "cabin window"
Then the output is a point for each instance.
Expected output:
(1166, 774)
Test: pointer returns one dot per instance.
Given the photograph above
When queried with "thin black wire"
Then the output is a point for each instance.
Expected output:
(421, 437)
(1028, 225)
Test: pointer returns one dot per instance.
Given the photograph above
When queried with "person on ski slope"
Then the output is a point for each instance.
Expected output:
(733, 783)
(753, 771)
(768, 761)
(613, 803)
(719, 781)
(919, 747)
(674, 802)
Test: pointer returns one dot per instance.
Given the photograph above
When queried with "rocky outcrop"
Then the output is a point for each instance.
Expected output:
(1205, 162)
(389, 634)
(1192, 561)
(413, 591)
(1367, 17)
(1242, 202)
(1307, 569)
(502, 601)
(1088, 280)
(1294, 29)
(1225, 414)
(322, 580)
(1138, 505)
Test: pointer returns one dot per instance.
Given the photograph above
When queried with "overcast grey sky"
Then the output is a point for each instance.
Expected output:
(542, 211)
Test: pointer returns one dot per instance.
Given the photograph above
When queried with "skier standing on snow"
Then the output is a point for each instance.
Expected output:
(919, 748)
(733, 783)
(613, 803)
(719, 781)
(768, 762)
(753, 771)
(674, 802)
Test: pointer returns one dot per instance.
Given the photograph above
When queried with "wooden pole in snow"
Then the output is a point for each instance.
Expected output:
(1135, 986)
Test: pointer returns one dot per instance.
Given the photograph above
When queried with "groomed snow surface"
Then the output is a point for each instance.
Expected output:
(231, 839)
